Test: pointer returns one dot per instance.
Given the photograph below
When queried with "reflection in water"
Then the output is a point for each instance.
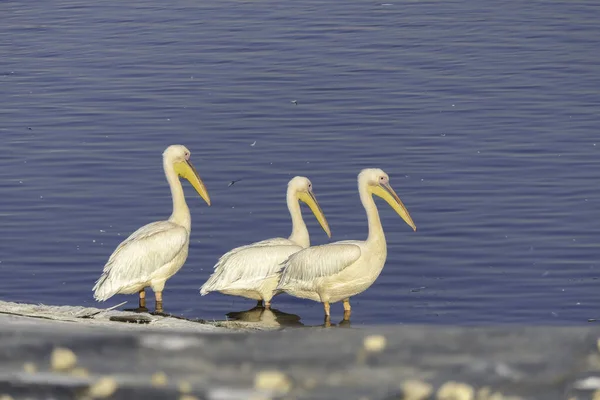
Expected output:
(272, 317)
(266, 316)
(344, 323)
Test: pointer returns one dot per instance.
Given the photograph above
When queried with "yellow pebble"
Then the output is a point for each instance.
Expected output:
(483, 393)
(5, 397)
(30, 368)
(159, 379)
(596, 395)
(374, 343)
(62, 359)
(272, 380)
(104, 387)
(80, 372)
(416, 390)
(455, 391)
(185, 387)
(187, 397)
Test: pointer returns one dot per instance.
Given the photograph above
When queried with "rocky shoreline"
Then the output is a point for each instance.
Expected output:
(75, 352)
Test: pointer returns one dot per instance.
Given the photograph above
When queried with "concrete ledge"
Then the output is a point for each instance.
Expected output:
(71, 357)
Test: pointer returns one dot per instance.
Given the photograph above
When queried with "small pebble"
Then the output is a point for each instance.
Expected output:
(80, 372)
(415, 389)
(62, 359)
(6, 397)
(455, 391)
(484, 393)
(187, 397)
(159, 379)
(30, 368)
(374, 343)
(185, 387)
(104, 387)
(272, 380)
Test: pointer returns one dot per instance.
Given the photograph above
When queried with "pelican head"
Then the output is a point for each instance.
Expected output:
(378, 183)
(301, 188)
(179, 157)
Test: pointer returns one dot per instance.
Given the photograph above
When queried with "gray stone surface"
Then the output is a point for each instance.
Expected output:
(170, 358)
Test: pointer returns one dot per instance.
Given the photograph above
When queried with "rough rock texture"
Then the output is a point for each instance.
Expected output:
(96, 317)
(56, 359)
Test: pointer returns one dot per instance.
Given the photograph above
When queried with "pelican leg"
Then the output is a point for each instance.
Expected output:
(158, 309)
(347, 305)
(268, 305)
(142, 306)
(326, 307)
(143, 299)
(347, 309)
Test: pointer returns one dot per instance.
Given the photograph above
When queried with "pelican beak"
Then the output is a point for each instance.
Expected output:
(386, 192)
(309, 198)
(185, 169)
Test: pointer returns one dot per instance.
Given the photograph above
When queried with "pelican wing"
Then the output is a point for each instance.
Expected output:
(245, 265)
(318, 261)
(138, 256)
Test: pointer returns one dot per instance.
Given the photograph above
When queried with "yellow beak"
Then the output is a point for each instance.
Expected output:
(185, 169)
(309, 198)
(386, 192)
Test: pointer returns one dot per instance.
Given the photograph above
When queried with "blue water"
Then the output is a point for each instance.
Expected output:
(485, 116)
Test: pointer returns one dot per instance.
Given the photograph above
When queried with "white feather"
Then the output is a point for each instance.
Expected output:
(304, 267)
(246, 267)
(138, 257)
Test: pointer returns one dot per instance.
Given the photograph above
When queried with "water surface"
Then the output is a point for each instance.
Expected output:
(485, 116)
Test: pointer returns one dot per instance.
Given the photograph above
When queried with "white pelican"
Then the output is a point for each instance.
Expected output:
(155, 252)
(251, 271)
(337, 271)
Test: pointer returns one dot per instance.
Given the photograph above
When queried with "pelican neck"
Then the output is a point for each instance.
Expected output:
(299, 232)
(181, 212)
(374, 223)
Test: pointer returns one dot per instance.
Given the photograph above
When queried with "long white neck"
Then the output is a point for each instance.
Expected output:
(181, 212)
(375, 229)
(299, 232)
